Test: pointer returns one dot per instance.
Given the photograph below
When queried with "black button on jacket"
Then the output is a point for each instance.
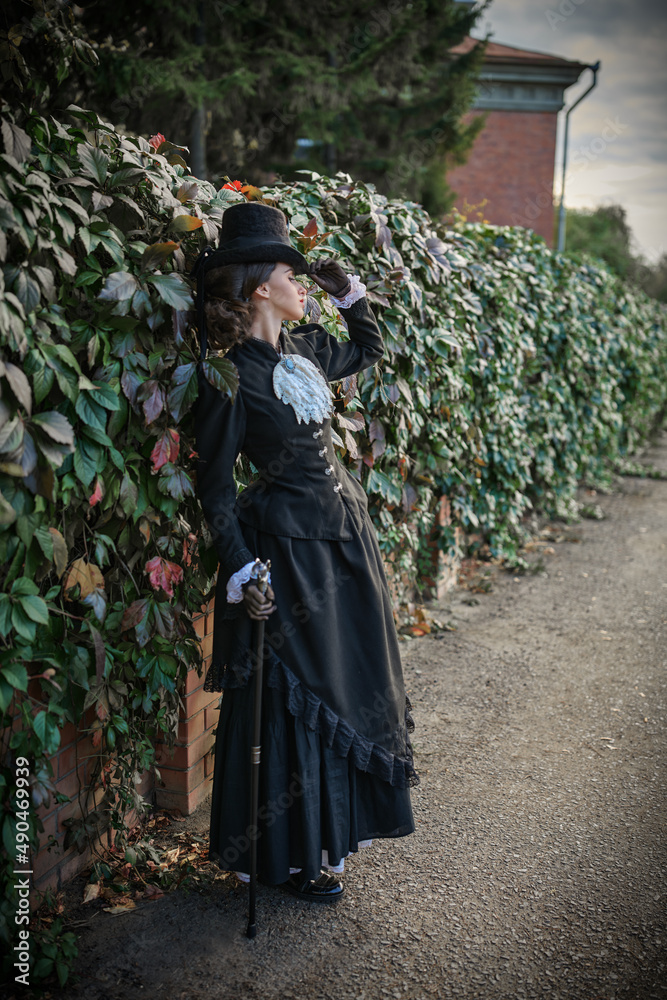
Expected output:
(302, 490)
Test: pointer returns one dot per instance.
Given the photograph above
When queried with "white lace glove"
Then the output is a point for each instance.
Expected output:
(357, 291)
(236, 581)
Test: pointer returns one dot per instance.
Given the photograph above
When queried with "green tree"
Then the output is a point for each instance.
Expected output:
(604, 233)
(333, 86)
(653, 277)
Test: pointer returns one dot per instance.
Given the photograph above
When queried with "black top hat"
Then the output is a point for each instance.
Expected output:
(252, 231)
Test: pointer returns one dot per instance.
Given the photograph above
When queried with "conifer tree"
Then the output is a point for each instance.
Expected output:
(370, 89)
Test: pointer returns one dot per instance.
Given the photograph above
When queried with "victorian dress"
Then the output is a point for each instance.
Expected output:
(337, 763)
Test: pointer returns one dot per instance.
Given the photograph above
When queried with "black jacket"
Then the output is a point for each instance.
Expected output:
(302, 490)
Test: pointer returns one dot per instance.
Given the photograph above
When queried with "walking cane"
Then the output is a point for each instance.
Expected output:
(260, 572)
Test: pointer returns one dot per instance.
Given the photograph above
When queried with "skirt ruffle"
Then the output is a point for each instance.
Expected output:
(311, 798)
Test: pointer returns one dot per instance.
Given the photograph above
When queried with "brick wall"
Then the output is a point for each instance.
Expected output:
(511, 165)
(185, 773)
(73, 769)
(186, 770)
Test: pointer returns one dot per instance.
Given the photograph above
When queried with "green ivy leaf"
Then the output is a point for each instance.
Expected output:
(119, 286)
(172, 289)
(94, 161)
(56, 426)
(47, 731)
(175, 482)
(182, 390)
(222, 374)
(24, 587)
(22, 624)
(5, 614)
(92, 414)
(85, 465)
(129, 494)
(16, 675)
(105, 395)
(36, 609)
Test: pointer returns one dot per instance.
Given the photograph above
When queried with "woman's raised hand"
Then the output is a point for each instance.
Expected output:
(330, 276)
(258, 605)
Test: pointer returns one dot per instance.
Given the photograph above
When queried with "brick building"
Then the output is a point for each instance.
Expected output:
(511, 164)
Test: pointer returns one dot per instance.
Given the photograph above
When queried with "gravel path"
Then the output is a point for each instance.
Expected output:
(538, 866)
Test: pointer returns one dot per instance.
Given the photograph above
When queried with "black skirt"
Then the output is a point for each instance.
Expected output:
(336, 757)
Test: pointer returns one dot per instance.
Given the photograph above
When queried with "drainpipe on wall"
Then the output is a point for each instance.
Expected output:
(561, 212)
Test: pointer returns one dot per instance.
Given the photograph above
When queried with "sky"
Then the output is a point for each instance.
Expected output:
(618, 134)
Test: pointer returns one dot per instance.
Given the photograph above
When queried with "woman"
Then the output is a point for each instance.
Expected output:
(336, 758)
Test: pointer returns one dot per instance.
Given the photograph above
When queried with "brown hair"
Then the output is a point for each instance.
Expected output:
(227, 306)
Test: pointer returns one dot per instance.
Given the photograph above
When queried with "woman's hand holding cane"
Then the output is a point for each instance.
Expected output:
(258, 605)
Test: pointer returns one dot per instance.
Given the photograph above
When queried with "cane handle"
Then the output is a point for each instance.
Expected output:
(260, 572)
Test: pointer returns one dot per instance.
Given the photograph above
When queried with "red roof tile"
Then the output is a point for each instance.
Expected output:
(495, 52)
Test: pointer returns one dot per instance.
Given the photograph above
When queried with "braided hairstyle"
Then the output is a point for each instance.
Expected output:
(227, 305)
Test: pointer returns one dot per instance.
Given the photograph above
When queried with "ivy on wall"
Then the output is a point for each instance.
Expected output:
(510, 374)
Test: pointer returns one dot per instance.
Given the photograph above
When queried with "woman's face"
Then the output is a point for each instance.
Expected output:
(287, 294)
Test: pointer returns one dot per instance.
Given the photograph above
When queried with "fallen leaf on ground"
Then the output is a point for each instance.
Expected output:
(153, 892)
(91, 891)
(117, 910)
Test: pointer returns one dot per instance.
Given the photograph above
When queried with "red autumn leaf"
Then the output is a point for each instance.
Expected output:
(156, 141)
(310, 229)
(98, 493)
(252, 193)
(233, 186)
(166, 449)
(163, 574)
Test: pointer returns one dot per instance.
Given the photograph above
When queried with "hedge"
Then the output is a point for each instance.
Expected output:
(511, 373)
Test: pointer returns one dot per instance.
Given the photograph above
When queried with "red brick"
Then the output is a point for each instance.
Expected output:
(511, 167)
(190, 729)
(184, 757)
(68, 734)
(71, 865)
(207, 646)
(77, 752)
(183, 781)
(209, 764)
(193, 681)
(211, 716)
(43, 811)
(45, 860)
(72, 783)
(193, 703)
(185, 803)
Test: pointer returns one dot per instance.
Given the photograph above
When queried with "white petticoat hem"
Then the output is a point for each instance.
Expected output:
(336, 869)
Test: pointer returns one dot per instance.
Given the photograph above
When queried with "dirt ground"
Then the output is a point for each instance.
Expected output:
(538, 869)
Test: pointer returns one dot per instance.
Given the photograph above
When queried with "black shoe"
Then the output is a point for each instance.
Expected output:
(326, 888)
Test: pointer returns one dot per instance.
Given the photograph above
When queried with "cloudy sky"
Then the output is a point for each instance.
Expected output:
(629, 37)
